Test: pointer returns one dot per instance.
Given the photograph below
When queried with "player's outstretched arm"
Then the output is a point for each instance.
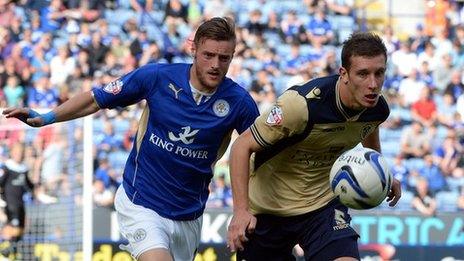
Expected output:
(242, 219)
(78, 106)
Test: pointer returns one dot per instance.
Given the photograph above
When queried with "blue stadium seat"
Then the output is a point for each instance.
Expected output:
(414, 163)
(447, 201)
(454, 184)
(119, 16)
(390, 148)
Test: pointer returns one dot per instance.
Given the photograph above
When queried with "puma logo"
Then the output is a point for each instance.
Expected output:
(175, 90)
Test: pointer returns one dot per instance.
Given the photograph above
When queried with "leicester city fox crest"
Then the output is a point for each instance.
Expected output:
(221, 108)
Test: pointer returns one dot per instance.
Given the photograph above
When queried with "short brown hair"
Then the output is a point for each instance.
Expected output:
(217, 28)
(362, 44)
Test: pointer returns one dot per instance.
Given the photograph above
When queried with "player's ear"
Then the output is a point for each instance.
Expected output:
(193, 51)
(343, 75)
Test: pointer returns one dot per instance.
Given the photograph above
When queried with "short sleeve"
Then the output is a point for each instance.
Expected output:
(129, 89)
(288, 117)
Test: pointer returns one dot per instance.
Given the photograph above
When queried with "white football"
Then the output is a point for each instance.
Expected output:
(361, 178)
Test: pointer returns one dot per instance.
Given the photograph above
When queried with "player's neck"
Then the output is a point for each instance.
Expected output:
(196, 84)
(346, 99)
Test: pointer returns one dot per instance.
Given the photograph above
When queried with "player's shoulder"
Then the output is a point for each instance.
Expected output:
(317, 86)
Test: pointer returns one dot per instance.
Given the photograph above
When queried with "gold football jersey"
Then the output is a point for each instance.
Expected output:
(302, 136)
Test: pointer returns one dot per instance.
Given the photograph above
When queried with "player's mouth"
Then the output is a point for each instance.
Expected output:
(214, 75)
(371, 98)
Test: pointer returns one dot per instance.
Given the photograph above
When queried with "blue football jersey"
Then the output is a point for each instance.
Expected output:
(178, 142)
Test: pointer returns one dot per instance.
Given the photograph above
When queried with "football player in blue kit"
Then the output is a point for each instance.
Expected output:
(287, 198)
(191, 111)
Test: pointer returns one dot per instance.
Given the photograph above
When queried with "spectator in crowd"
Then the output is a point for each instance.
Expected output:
(52, 162)
(414, 142)
(14, 93)
(39, 66)
(292, 29)
(221, 194)
(97, 52)
(107, 141)
(424, 201)
(433, 174)
(455, 87)
(390, 39)
(446, 110)
(443, 73)
(425, 75)
(404, 59)
(419, 39)
(255, 25)
(102, 196)
(176, 11)
(400, 171)
(62, 65)
(295, 60)
(424, 110)
(105, 173)
(449, 155)
(262, 90)
(14, 184)
(43, 94)
(319, 27)
(409, 88)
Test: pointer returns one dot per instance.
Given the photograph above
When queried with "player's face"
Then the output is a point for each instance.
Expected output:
(211, 63)
(364, 81)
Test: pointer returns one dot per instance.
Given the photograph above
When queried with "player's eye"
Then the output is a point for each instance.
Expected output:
(224, 58)
(379, 74)
(209, 55)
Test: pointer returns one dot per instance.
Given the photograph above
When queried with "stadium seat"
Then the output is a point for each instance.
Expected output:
(454, 184)
(447, 201)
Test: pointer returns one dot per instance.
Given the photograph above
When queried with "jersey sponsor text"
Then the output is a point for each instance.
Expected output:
(179, 150)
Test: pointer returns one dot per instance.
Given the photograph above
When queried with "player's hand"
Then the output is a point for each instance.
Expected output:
(395, 193)
(241, 221)
(29, 116)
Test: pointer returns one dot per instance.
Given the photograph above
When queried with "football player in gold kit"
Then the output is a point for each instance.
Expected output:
(286, 199)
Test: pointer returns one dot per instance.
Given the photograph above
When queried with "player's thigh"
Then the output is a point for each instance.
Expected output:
(156, 254)
(186, 239)
(143, 228)
(150, 234)
(342, 249)
(327, 234)
(270, 241)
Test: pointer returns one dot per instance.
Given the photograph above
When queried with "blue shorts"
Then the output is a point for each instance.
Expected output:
(324, 234)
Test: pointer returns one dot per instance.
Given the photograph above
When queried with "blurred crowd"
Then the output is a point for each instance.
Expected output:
(51, 50)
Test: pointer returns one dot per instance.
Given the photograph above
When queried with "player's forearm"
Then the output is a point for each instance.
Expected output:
(373, 141)
(239, 174)
(78, 106)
